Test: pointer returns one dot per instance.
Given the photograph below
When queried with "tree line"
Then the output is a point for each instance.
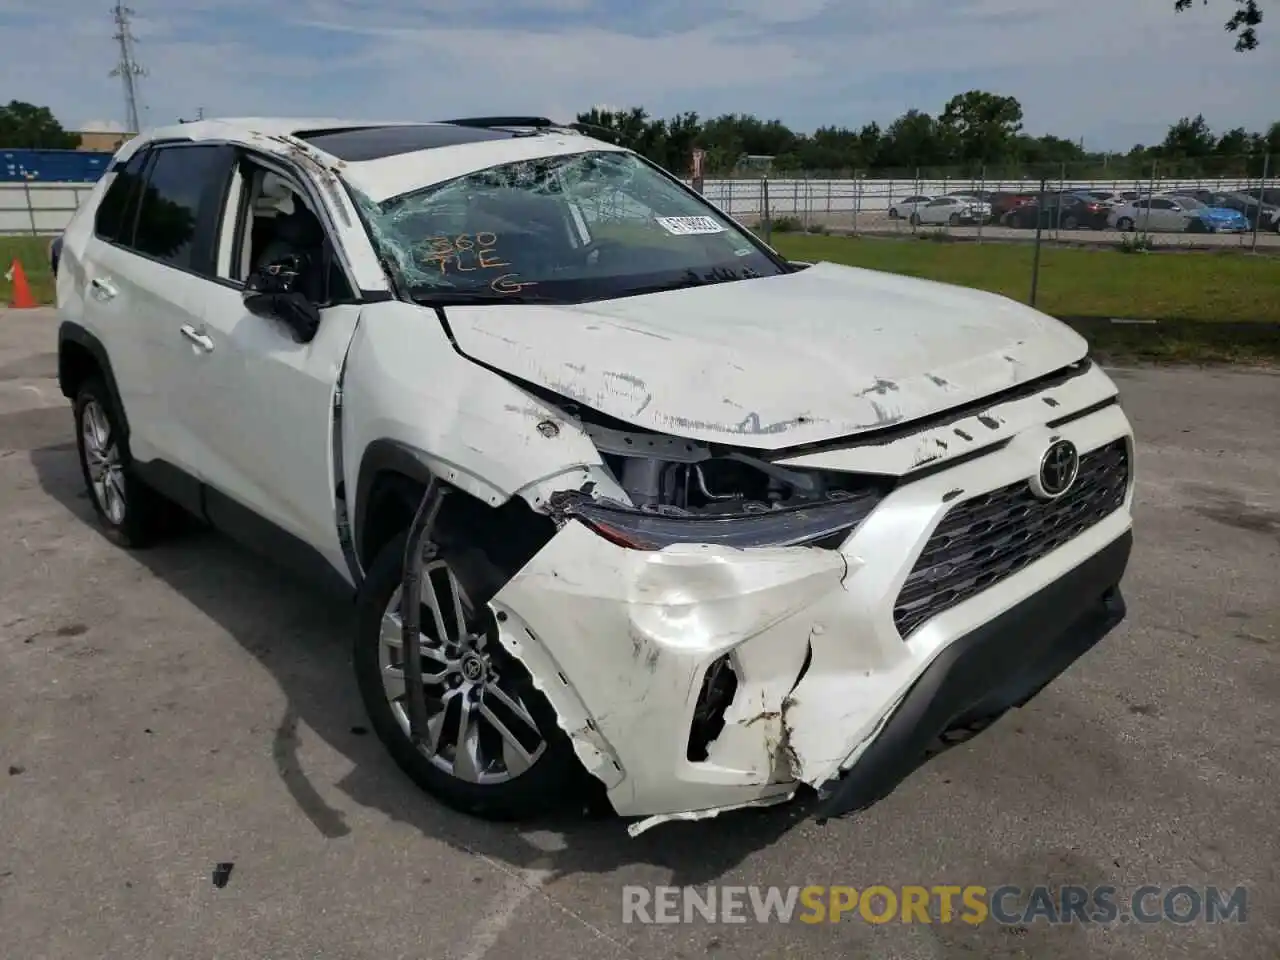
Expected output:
(977, 132)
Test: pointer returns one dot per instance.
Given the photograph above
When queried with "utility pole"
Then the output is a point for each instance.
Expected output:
(128, 69)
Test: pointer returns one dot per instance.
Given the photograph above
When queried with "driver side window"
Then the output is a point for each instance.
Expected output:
(270, 220)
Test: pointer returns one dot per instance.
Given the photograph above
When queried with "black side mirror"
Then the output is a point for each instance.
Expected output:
(272, 292)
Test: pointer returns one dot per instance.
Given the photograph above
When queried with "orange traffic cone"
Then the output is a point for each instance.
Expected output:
(22, 298)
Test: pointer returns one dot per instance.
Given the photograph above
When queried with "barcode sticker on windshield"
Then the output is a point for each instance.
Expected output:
(689, 226)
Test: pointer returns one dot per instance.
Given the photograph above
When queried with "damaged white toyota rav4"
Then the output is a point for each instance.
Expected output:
(629, 502)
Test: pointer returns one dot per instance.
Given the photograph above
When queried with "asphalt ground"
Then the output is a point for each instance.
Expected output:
(165, 711)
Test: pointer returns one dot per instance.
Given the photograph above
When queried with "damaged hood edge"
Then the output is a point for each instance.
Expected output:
(771, 363)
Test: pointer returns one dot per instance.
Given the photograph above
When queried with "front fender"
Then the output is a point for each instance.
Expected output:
(412, 404)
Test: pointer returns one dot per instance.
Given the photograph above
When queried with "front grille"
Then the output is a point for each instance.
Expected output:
(984, 540)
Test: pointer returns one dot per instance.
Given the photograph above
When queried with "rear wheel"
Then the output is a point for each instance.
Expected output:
(954, 220)
(915, 219)
(893, 213)
(493, 746)
(1124, 224)
(1069, 222)
(130, 512)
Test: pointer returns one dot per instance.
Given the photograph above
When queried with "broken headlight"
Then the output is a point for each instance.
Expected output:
(826, 524)
(682, 491)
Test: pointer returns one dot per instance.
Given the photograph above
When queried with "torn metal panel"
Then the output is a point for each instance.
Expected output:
(838, 364)
(418, 550)
(475, 431)
(781, 796)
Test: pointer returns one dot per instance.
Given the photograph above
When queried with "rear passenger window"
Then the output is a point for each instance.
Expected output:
(179, 178)
(119, 207)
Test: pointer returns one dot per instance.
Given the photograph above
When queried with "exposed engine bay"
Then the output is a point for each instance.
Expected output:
(682, 478)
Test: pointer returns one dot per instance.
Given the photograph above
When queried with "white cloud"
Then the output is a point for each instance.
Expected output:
(1111, 72)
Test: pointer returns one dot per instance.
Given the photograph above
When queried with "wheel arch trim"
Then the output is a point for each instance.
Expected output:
(70, 332)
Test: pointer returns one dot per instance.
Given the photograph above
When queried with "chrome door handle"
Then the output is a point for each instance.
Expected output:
(103, 289)
(198, 338)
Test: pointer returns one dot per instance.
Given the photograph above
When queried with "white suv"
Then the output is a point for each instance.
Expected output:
(628, 501)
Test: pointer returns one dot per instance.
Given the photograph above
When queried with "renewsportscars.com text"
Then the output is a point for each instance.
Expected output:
(973, 904)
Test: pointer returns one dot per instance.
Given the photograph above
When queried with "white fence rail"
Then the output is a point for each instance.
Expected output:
(39, 208)
(740, 198)
(46, 208)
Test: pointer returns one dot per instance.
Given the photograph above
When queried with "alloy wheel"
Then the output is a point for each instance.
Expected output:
(102, 456)
(479, 729)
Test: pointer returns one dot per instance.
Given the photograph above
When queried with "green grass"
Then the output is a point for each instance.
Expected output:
(1231, 285)
(1229, 291)
(34, 254)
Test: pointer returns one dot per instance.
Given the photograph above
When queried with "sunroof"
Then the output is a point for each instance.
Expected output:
(371, 143)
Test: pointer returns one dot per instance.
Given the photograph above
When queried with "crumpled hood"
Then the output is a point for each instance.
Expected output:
(775, 362)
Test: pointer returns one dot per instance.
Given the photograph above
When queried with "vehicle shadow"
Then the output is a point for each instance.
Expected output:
(302, 637)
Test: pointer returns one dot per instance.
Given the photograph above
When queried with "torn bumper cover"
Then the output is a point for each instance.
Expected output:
(1002, 664)
(700, 678)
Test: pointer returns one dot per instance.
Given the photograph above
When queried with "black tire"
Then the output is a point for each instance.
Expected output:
(554, 780)
(1069, 222)
(1124, 225)
(915, 219)
(147, 515)
(893, 213)
(954, 220)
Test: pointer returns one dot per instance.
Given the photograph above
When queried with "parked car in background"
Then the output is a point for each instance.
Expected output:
(906, 207)
(952, 210)
(1109, 197)
(1003, 201)
(1175, 214)
(1249, 206)
(1065, 211)
(1206, 218)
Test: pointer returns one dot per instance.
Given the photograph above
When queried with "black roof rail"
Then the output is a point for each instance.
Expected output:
(539, 122)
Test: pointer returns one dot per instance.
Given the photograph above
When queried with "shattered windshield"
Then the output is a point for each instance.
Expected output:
(567, 229)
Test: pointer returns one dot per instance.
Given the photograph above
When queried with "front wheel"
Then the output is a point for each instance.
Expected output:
(1069, 222)
(1124, 225)
(492, 747)
(893, 213)
(915, 220)
(954, 220)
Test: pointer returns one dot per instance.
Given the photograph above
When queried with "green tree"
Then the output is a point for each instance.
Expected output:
(24, 126)
(980, 127)
(1243, 23)
(1189, 138)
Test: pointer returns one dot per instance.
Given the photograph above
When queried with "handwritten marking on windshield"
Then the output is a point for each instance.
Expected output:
(465, 253)
(510, 283)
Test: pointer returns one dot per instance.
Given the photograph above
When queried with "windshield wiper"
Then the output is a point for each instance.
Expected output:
(692, 279)
(458, 298)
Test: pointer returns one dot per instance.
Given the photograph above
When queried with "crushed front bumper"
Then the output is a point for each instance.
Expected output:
(829, 691)
(1002, 664)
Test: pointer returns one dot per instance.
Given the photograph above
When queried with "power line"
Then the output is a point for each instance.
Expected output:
(128, 69)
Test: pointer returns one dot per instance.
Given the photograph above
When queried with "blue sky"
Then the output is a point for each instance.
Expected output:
(1114, 72)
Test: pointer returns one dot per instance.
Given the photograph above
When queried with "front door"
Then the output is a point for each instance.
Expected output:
(263, 402)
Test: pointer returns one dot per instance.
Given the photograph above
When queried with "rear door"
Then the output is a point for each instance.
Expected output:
(147, 283)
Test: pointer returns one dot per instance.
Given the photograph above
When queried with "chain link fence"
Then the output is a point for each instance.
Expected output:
(1159, 204)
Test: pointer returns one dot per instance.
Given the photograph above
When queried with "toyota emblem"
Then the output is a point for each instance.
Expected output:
(1058, 469)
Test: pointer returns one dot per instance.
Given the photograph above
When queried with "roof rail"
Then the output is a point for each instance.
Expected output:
(538, 122)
